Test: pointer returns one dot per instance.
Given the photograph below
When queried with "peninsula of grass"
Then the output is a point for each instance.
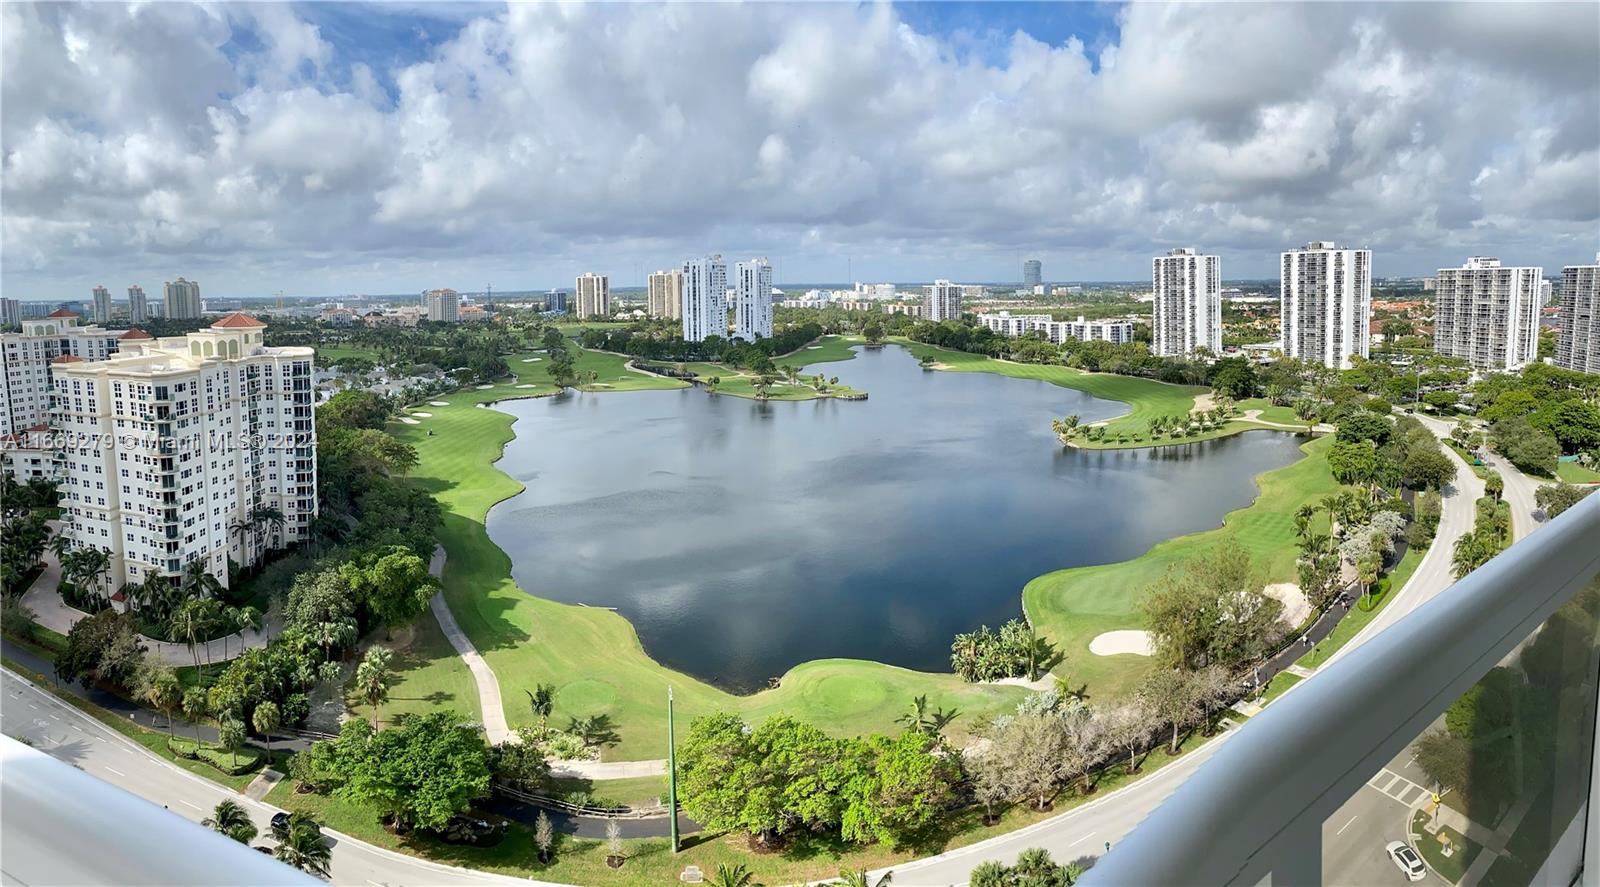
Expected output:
(593, 655)
(1071, 607)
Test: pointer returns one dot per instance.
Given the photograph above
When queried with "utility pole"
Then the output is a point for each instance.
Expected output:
(672, 773)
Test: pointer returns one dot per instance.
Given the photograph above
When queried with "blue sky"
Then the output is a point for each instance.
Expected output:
(325, 148)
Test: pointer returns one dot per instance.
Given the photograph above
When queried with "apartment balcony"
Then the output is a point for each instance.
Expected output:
(1465, 732)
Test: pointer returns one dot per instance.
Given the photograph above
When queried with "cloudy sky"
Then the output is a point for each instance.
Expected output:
(329, 148)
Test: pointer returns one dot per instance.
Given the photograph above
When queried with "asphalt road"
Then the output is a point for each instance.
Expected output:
(1519, 490)
(1353, 839)
(66, 733)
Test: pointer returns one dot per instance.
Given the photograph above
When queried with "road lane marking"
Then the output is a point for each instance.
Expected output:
(187, 804)
(1346, 825)
(1081, 840)
(55, 717)
(32, 706)
(116, 771)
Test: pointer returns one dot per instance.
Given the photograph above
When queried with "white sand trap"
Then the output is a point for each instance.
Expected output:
(532, 359)
(438, 403)
(1295, 606)
(813, 347)
(527, 386)
(409, 421)
(484, 387)
(421, 415)
(1128, 640)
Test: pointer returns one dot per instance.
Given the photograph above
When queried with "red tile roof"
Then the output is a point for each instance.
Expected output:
(136, 333)
(68, 358)
(237, 319)
(62, 312)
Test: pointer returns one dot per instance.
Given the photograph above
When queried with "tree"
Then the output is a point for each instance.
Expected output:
(1553, 499)
(230, 732)
(162, 691)
(542, 700)
(1034, 868)
(422, 772)
(1446, 759)
(735, 876)
(231, 819)
(1427, 468)
(301, 844)
(911, 780)
(1471, 551)
(860, 878)
(1574, 423)
(373, 678)
(924, 720)
(1352, 462)
(1494, 484)
(1035, 745)
(874, 332)
(196, 707)
(1127, 728)
(1530, 449)
(1364, 427)
(1169, 694)
(267, 718)
(392, 582)
(1210, 610)
(192, 622)
(102, 647)
(991, 779)
(544, 835)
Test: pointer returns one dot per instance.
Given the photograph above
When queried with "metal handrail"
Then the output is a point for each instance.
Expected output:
(1257, 807)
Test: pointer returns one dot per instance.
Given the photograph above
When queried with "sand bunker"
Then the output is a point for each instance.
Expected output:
(527, 386)
(1113, 643)
(438, 403)
(409, 421)
(532, 359)
(423, 415)
(484, 387)
(1295, 606)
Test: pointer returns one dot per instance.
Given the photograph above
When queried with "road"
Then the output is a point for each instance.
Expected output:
(1084, 832)
(66, 733)
(1520, 489)
(1353, 839)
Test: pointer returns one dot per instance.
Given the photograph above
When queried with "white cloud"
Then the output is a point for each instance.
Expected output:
(543, 139)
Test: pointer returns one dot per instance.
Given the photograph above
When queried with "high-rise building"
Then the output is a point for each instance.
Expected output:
(1487, 314)
(1186, 312)
(556, 300)
(1578, 341)
(10, 312)
(1325, 301)
(180, 299)
(28, 356)
(442, 305)
(101, 312)
(1032, 273)
(138, 307)
(944, 301)
(191, 434)
(752, 305)
(705, 305)
(593, 295)
(665, 294)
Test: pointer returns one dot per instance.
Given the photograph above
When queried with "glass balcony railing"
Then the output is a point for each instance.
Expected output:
(1458, 744)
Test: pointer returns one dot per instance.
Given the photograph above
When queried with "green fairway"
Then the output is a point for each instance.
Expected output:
(593, 655)
(1573, 473)
(428, 675)
(1072, 606)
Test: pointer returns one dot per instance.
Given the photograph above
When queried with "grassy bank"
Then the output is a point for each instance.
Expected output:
(1357, 619)
(1072, 606)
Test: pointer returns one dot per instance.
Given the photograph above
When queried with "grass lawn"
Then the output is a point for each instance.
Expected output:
(1279, 684)
(428, 675)
(1357, 618)
(637, 791)
(1573, 473)
(594, 656)
(1451, 867)
(1072, 606)
(327, 354)
(1270, 413)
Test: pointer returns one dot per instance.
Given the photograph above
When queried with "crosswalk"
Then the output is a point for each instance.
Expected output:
(1398, 788)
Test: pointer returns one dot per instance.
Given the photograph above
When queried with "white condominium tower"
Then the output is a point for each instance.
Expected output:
(705, 305)
(666, 294)
(1187, 309)
(173, 446)
(138, 308)
(443, 305)
(944, 301)
(25, 387)
(102, 306)
(1325, 303)
(593, 295)
(181, 299)
(752, 306)
(1487, 314)
(1578, 344)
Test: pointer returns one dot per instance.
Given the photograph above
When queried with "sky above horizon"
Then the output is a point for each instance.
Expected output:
(331, 148)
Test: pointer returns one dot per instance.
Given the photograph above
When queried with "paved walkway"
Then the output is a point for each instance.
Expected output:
(494, 713)
(43, 597)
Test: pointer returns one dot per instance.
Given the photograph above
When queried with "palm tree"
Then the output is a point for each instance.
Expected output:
(300, 844)
(917, 718)
(1494, 484)
(196, 707)
(162, 690)
(1302, 521)
(542, 699)
(735, 876)
(231, 819)
(860, 879)
(1366, 574)
(267, 718)
(373, 679)
(1468, 554)
(268, 516)
(189, 623)
(712, 383)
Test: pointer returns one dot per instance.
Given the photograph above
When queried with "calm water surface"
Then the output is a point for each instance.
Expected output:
(743, 538)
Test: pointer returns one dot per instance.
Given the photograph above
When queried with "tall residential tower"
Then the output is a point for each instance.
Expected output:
(1487, 314)
(944, 301)
(138, 307)
(705, 305)
(666, 294)
(1187, 309)
(752, 306)
(102, 306)
(1578, 346)
(1325, 300)
(180, 299)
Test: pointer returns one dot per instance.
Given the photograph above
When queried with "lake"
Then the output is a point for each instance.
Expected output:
(742, 538)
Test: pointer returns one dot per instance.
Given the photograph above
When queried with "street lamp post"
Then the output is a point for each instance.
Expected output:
(672, 774)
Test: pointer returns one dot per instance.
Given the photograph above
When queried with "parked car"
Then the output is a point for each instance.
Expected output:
(280, 819)
(1407, 860)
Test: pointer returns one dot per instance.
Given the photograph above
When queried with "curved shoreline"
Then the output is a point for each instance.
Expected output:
(595, 655)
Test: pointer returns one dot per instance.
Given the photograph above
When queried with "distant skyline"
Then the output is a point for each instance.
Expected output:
(327, 148)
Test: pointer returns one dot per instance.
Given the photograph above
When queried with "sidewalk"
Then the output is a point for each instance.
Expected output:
(50, 611)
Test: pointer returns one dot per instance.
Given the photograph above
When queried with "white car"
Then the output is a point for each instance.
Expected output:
(1409, 862)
